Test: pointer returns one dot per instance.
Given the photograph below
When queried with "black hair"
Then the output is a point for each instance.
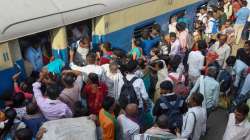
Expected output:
(197, 98)
(172, 34)
(69, 78)
(23, 134)
(93, 77)
(79, 110)
(243, 109)
(202, 44)
(212, 71)
(108, 102)
(137, 42)
(52, 91)
(162, 122)
(167, 85)
(18, 99)
(141, 63)
(91, 57)
(156, 27)
(31, 108)
(244, 3)
(131, 66)
(175, 62)
(107, 46)
(160, 64)
(247, 43)
(231, 60)
(181, 26)
(10, 115)
(210, 13)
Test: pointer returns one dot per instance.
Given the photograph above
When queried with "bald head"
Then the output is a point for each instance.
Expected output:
(131, 109)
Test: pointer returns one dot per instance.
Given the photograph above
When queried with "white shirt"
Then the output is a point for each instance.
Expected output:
(172, 27)
(194, 126)
(81, 53)
(139, 88)
(128, 127)
(239, 131)
(86, 70)
(202, 18)
(223, 52)
(195, 63)
(175, 47)
(209, 26)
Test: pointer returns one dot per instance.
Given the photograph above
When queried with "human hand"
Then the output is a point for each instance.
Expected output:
(15, 77)
(40, 133)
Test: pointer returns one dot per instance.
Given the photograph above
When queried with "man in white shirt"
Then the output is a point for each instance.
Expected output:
(195, 62)
(202, 16)
(175, 44)
(211, 26)
(91, 66)
(238, 127)
(127, 122)
(222, 49)
(194, 121)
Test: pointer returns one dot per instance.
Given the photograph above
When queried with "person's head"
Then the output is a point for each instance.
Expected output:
(162, 122)
(105, 47)
(113, 67)
(203, 10)
(212, 71)
(159, 64)
(23, 134)
(79, 111)
(10, 113)
(181, 26)
(247, 46)
(68, 79)
(173, 19)
(175, 62)
(241, 113)
(156, 29)
(221, 10)
(231, 60)
(109, 104)
(135, 42)
(202, 45)
(93, 78)
(155, 52)
(141, 63)
(196, 99)
(18, 99)
(131, 66)
(131, 110)
(145, 34)
(31, 109)
(228, 23)
(84, 43)
(172, 36)
(52, 91)
(91, 58)
(222, 39)
(166, 87)
(244, 3)
(210, 14)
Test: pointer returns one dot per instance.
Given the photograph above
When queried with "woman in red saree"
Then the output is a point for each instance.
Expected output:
(95, 92)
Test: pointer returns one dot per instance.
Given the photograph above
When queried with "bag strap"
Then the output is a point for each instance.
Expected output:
(133, 80)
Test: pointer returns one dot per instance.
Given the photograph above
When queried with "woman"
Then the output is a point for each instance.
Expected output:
(95, 92)
(135, 52)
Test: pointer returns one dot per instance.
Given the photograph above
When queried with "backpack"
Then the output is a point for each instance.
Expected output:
(225, 79)
(174, 114)
(128, 94)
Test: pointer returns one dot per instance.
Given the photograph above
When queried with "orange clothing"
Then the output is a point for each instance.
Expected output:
(107, 126)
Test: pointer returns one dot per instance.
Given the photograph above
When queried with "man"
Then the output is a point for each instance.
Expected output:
(23, 134)
(34, 56)
(222, 49)
(238, 127)
(212, 25)
(161, 128)
(169, 102)
(50, 106)
(243, 54)
(139, 88)
(202, 16)
(222, 16)
(107, 120)
(175, 45)
(194, 121)
(127, 122)
(241, 19)
(195, 62)
(91, 66)
(82, 50)
(209, 88)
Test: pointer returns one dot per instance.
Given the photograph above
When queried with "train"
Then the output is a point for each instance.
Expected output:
(115, 21)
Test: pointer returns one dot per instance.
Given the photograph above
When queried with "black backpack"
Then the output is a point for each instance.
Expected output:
(174, 113)
(225, 79)
(128, 94)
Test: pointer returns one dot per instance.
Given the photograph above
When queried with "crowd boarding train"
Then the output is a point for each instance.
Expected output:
(116, 21)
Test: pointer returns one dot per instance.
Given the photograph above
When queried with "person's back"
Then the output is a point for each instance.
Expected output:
(242, 15)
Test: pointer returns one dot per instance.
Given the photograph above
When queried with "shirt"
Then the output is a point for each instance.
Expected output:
(86, 70)
(228, 9)
(223, 52)
(81, 54)
(51, 109)
(211, 26)
(242, 15)
(203, 18)
(35, 57)
(71, 95)
(246, 88)
(195, 63)
(183, 39)
(139, 88)
(235, 131)
(209, 88)
(175, 47)
(194, 126)
(129, 128)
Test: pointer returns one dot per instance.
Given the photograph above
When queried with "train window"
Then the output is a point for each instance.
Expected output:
(138, 30)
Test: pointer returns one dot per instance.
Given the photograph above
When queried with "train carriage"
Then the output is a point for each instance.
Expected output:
(116, 21)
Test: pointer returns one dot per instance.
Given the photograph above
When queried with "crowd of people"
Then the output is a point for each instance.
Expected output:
(165, 87)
